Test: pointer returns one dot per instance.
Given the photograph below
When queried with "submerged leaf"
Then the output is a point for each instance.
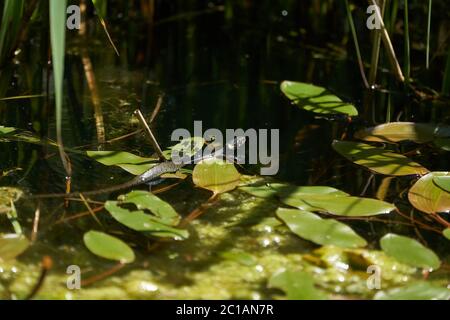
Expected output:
(12, 245)
(409, 251)
(417, 291)
(378, 160)
(108, 247)
(129, 162)
(426, 196)
(316, 99)
(297, 285)
(311, 227)
(216, 175)
(398, 131)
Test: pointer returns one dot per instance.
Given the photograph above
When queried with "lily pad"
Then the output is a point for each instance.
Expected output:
(311, 227)
(443, 182)
(427, 197)
(129, 162)
(446, 233)
(417, 291)
(378, 160)
(398, 131)
(409, 251)
(12, 245)
(339, 205)
(187, 148)
(108, 247)
(316, 99)
(162, 223)
(297, 285)
(216, 175)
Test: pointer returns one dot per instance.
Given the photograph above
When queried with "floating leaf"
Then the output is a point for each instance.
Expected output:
(398, 131)
(443, 182)
(286, 190)
(188, 147)
(316, 99)
(446, 233)
(108, 247)
(311, 227)
(378, 160)
(339, 205)
(6, 130)
(129, 162)
(162, 223)
(12, 245)
(297, 285)
(409, 251)
(216, 175)
(417, 291)
(426, 196)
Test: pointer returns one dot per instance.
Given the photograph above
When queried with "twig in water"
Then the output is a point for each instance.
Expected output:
(37, 215)
(150, 135)
(46, 265)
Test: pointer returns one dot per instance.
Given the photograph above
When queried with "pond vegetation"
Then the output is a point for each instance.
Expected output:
(363, 189)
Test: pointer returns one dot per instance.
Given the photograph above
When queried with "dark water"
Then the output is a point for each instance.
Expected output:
(213, 62)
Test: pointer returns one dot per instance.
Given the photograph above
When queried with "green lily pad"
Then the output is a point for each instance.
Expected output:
(242, 257)
(6, 130)
(162, 223)
(311, 227)
(216, 175)
(339, 205)
(398, 131)
(108, 247)
(446, 233)
(426, 196)
(129, 162)
(409, 251)
(417, 291)
(297, 285)
(12, 245)
(316, 99)
(188, 147)
(443, 182)
(378, 160)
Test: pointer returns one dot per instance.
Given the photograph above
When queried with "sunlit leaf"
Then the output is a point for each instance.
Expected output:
(409, 251)
(398, 131)
(241, 257)
(108, 247)
(316, 99)
(216, 175)
(286, 190)
(12, 245)
(378, 160)
(297, 285)
(311, 227)
(426, 196)
(446, 233)
(129, 162)
(339, 205)
(443, 182)
(188, 147)
(6, 130)
(417, 291)
(161, 223)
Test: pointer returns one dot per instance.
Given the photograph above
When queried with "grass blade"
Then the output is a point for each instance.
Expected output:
(58, 37)
(430, 3)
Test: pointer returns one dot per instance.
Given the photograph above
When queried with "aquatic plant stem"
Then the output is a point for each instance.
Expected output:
(427, 62)
(407, 65)
(90, 78)
(102, 275)
(355, 40)
(396, 69)
(46, 265)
